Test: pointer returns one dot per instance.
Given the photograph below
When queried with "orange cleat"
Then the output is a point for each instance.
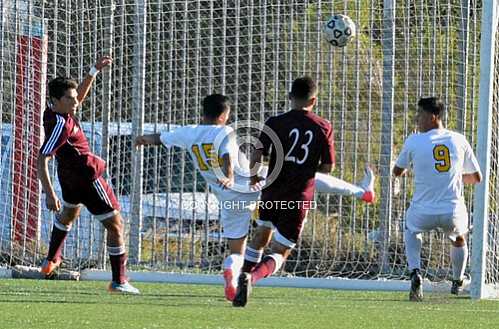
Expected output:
(49, 266)
(368, 197)
(229, 287)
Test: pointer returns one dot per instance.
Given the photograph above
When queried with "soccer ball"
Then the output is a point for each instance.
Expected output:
(339, 30)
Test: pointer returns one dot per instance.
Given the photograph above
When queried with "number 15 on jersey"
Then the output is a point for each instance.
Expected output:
(212, 159)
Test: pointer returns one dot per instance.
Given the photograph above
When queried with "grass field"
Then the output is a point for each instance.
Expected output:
(65, 304)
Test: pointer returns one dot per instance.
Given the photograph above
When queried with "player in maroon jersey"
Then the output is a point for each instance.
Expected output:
(303, 145)
(80, 176)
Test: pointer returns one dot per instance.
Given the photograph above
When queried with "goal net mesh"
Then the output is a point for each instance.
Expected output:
(492, 252)
(251, 51)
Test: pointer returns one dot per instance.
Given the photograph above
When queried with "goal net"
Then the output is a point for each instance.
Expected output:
(168, 55)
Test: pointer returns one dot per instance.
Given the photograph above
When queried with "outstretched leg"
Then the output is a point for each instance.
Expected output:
(364, 190)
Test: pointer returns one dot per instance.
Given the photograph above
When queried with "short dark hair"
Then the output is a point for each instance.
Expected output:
(214, 105)
(433, 105)
(59, 85)
(303, 88)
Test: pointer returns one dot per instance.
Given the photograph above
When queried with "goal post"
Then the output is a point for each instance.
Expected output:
(485, 252)
(24, 43)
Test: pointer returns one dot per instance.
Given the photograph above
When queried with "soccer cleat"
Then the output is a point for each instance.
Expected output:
(367, 184)
(368, 197)
(229, 287)
(49, 266)
(123, 288)
(243, 290)
(457, 287)
(416, 293)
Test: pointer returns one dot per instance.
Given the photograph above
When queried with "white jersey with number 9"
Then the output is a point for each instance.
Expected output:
(439, 158)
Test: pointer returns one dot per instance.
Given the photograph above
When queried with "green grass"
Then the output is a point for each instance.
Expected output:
(63, 304)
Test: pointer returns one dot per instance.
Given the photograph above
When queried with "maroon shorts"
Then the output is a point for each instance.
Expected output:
(287, 222)
(96, 195)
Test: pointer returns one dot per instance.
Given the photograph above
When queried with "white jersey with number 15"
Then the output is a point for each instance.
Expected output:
(206, 145)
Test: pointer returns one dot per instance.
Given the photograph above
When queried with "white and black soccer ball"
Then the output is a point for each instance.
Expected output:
(339, 30)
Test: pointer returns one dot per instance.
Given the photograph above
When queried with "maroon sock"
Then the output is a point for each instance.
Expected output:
(56, 243)
(118, 267)
(264, 269)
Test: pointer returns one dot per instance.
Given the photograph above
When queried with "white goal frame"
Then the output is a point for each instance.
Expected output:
(481, 215)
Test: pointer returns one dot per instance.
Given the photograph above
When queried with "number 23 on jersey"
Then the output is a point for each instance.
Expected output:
(295, 135)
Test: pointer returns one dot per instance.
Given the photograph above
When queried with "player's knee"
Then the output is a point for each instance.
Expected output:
(261, 238)
(236, 246)
(68, 215)
(280, 249)
(114, 226)
(116, 230)
(66, 220)
(259, 242)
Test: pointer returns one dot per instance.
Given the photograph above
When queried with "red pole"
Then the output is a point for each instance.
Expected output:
(30, 99)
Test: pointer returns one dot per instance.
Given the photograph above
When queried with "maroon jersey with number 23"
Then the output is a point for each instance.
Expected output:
(307, 141)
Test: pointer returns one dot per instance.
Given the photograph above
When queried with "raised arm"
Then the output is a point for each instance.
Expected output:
(86, 84)
(53, 202)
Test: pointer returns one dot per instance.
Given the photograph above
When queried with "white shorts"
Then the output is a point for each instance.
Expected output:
(452, 224)
(235, 214)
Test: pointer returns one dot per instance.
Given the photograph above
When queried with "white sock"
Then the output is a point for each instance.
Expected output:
(459, 256)
(116, 251)
(253, 255)
(413, 243)
(233, 262)
(329, 184)
(279, 260)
